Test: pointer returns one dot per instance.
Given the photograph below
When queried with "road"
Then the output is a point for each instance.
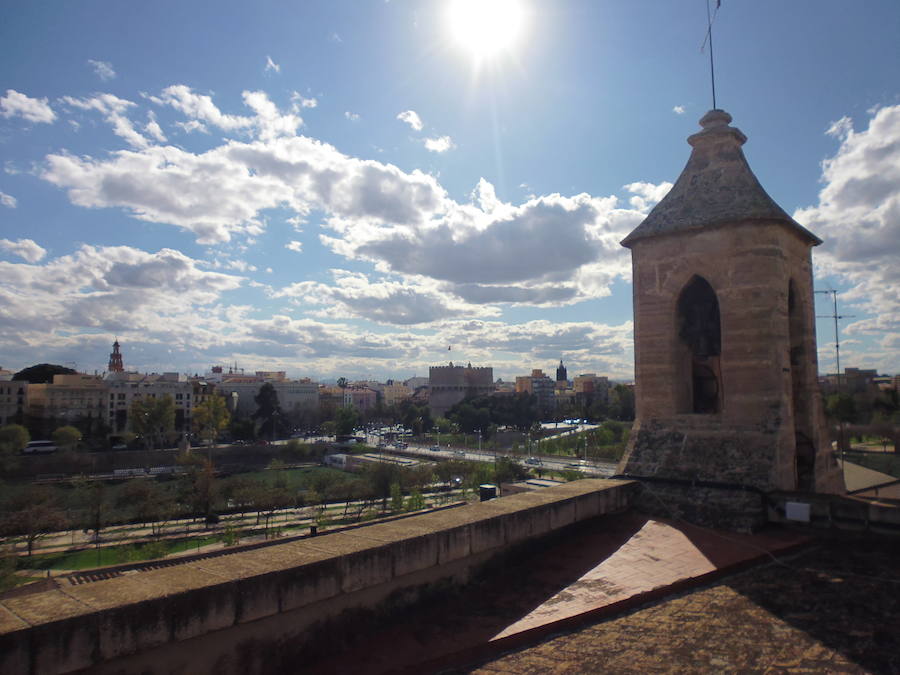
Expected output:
(547, 462)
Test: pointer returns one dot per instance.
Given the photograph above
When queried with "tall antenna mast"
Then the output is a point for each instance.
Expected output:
(837, 340)
(710, 17)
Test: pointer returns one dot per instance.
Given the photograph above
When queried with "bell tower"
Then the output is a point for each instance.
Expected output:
(115, 360)
(727, 399)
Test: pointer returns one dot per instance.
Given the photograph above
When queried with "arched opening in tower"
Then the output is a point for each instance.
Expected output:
(700, 332)
(805, 451)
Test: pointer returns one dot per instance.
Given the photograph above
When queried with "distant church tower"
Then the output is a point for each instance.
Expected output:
(725, 351)
(115, 360)
(561, 374)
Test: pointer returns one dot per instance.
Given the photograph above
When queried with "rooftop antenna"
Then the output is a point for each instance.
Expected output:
(710, 18)
(837, 342)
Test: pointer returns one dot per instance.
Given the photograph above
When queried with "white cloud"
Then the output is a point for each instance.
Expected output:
(118, 289)
(153, 129)
(35, 110)
(294, 246)
(269, 120)
(27, 249)
(191, 126)
(439, 144)
(389, 302)
(411, 117)
(299, 101)
(858, 217)
(678, 110)
(271, 65)
(200, 108)
(220, 192)
(113, 109)
(646, 195)
(841, 128)
(102, 69)
(548, 250)
(353, 117)
(8, 200)
(541, 241)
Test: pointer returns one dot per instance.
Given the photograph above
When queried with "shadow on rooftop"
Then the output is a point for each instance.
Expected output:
(462, 619)
(844, 593)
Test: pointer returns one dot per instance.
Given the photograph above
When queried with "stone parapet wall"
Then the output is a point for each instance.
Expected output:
(840, 512)
(229, 614)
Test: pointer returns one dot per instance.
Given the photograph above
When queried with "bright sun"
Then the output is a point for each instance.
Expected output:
(485, 27)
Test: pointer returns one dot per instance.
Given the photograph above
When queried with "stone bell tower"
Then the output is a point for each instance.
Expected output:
(727, 399)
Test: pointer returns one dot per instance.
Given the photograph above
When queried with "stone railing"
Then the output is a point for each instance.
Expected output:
(247, 611)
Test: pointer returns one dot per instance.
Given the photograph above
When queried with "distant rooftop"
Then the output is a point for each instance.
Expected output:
(716, 187)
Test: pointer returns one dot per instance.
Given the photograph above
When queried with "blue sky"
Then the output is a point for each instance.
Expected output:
(344, 188)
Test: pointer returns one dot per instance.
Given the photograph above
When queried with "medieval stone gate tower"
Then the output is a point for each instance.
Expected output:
(725, 354)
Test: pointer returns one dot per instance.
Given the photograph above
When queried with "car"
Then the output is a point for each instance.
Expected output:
(120, 446)
(459, 453)
(435, 448)
(533, 461)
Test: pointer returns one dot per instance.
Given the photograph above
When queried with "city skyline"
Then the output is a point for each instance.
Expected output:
(349, 189)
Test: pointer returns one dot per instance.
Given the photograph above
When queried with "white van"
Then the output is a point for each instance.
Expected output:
(35, 447)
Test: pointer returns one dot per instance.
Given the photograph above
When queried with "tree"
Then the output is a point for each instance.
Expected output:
(267, 409)
(621, 403)
(42, 373)
(841, 407)
(346, 419)
(210, 418)
(66, 437)
(198, 487)
(91, 498)
(14, 438)
(396, 498)
(417, 418)
(153, 418)
(416, 501)
(148, 503)
(33, 513)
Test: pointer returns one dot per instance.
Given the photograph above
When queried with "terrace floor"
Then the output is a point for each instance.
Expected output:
(632, 594)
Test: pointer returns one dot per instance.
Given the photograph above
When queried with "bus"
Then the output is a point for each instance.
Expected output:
(35, 447)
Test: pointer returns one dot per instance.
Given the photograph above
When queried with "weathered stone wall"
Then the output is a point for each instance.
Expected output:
(840, 512)
(750, 267)
(237, 613)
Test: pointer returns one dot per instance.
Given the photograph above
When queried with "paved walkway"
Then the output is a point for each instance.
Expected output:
(600, 569)
(858, 477)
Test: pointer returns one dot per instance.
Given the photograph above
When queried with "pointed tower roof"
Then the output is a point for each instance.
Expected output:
(716, 188)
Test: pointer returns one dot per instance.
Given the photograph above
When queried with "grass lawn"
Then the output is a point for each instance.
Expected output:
(112, 555)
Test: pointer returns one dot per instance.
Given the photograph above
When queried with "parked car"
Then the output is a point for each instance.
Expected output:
(435, 448)
(533, 461)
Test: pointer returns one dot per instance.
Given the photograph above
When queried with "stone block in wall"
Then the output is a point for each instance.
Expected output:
(313, 582)
(453, 544)
(487, 534)
(62, 627)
